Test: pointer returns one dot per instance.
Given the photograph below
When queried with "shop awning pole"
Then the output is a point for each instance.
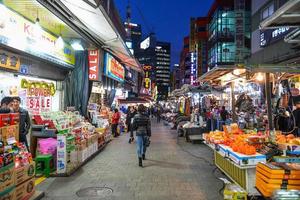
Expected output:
(234, 117)
(269, 103)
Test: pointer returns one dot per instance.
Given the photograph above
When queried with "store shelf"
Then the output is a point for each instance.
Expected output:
(82, 164)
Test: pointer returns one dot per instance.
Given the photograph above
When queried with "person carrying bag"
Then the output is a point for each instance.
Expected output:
(141, 124)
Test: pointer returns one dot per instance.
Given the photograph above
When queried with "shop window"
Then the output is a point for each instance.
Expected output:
(268, 11)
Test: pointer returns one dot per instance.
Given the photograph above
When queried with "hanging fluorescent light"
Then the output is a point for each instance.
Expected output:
(37, 27)
(60, 43)
(77, 46)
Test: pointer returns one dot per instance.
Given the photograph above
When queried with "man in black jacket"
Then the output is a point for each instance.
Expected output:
(142, 125)
(25, 122)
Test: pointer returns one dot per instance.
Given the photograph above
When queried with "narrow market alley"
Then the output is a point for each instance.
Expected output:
(174, 170)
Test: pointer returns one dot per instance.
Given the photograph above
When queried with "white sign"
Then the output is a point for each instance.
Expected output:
(61, 154)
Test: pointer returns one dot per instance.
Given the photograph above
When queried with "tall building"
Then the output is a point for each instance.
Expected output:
(133, 42)
(162, 73)
(198, 47)
(175, 77)
(133, 33)
(185, 62)
(229, 32)
(156, 56)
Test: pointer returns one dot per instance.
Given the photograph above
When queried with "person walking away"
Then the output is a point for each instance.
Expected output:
(114, 123)
(6, 105)
(224, 116)
(142, 126)
(25, 122)
(158, 115)
(131, 113)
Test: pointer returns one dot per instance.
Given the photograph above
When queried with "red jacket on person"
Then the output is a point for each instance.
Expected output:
(115, 118)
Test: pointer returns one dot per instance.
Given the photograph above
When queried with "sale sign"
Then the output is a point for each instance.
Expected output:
(93, 65)
(37, 105)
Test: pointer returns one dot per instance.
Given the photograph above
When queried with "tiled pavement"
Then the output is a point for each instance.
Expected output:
(175, 170)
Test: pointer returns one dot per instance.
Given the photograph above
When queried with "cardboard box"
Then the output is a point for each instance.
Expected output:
(10, 134)
(25, 190)
(7, 176)
(25, 173)
(8, 194)
(246, 160)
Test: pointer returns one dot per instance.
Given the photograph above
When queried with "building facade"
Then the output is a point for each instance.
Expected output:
(185, 62)
(264, 42)
(156, 57)
(229, 32)
(198, 47)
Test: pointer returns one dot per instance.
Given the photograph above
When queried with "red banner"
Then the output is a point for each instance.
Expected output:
(93, 65)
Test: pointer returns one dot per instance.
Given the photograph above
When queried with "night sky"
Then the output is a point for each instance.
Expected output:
(169, 19)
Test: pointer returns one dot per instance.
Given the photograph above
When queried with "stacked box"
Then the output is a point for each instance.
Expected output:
(25, 190)
(270, 177)
(7, 176)
(8, 194)
(25, 173)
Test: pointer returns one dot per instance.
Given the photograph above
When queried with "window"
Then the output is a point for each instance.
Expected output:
(268, 11)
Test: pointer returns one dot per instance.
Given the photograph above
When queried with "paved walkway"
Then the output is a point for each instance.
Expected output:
(175, 170)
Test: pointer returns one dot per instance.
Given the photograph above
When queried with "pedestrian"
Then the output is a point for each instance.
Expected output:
(158, 114)
(142, 126)
(6, 105)
(114, 122)
(25, 122)
(131, 113)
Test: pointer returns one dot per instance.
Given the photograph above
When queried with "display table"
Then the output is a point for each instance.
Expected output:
(243, 176)
(193, 133)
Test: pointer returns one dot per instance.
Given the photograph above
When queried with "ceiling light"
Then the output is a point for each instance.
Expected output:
(60, 43)
(37, 27)
(77, 46)
(259, 77)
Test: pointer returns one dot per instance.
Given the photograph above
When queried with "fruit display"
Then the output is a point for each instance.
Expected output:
(290, 139)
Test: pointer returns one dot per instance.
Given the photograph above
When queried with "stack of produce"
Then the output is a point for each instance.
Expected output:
(275, 176)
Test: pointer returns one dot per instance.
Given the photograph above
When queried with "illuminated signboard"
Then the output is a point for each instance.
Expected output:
(145, 44)
(113, 69)
(22, 34)
(272, 35)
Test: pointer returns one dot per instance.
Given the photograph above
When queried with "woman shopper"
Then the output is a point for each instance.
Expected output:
(114, 123)
(142, 126)
(131, 113)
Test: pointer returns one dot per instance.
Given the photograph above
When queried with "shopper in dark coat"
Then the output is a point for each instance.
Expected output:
(142, 126)
(25, 122)
(131, 113)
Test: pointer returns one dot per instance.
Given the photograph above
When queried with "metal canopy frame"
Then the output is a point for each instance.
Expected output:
(287, 15)
(273, 68)
(216, 73)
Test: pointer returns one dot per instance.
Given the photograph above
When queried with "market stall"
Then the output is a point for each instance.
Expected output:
(16, 164)
(258, 158)
(64, 141)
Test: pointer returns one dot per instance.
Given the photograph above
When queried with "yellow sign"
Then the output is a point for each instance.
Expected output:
(38, 88)
(9, 61)
(21, 34)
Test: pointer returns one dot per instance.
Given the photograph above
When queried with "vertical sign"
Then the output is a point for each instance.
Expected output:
(61, 154)
(94, 65)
